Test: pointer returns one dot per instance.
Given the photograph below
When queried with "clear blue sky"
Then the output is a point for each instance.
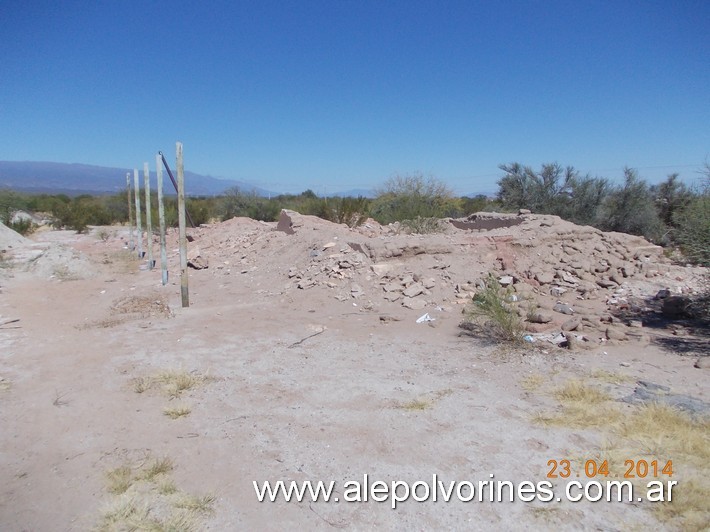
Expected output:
(338, 94)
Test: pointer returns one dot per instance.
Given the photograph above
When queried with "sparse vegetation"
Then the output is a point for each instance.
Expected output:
(642, 432)
(175, 382)
(146, 498)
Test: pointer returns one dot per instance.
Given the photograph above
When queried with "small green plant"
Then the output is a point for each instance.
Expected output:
(491, 310)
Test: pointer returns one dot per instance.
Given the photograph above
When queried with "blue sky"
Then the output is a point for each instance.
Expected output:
(335, 95)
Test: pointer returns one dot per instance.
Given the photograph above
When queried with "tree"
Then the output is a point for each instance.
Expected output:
(545, 192)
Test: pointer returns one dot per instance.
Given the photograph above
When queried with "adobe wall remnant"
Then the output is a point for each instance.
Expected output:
(486, 221)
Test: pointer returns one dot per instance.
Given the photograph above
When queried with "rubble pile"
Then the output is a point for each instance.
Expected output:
(569, 283)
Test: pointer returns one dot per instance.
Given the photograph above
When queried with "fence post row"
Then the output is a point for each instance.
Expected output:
(180, 189)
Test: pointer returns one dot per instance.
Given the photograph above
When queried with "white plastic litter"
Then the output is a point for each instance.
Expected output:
(424, 318)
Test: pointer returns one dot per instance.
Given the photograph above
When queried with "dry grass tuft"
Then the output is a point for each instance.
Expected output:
(651, 432)
(415, 404)
(203, 504)
(167, 487)
(142, 384)
(175, 382)
(159, 466)
(689, 507)
(610, 377)
(532, 382)
(575, 391)
(119, 480)
(425, 402)
(176, 412)
(146, 498)
(583, 406)
(124, 513)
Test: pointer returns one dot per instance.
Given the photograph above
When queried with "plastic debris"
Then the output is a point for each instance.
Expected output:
(424, 318)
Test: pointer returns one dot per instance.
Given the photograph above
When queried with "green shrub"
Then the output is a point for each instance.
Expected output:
(491, 310)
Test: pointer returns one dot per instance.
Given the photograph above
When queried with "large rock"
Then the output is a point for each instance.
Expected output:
(196, 260)
(414, 303)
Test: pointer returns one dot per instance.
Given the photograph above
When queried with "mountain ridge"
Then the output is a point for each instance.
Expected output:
(79, 178)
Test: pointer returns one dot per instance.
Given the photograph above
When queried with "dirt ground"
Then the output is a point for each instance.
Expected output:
(302, 370)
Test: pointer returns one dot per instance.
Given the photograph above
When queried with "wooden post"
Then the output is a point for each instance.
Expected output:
(181, 221)
(161, 218)
(148, 215)
(139, 225)
(131, 242)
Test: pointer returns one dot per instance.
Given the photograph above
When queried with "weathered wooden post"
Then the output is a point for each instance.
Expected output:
(148, 215)
(181, 222)
(161, 218)
(131, 242)
(139, 225)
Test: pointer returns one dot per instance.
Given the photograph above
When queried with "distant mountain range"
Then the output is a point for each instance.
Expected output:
(75, 179)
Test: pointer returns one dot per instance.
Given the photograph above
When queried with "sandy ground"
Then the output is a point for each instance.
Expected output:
(395, 400)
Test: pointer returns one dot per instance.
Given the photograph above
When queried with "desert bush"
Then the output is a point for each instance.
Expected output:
(671, 197)
(545, 191)
(350, 211)
(411, 197)
(586, 195)
(11, 202)
(478, 203)
(630, 208)
(423, 226)
(491, 310)
(237, 202)
(693, 225)
(24, 227)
